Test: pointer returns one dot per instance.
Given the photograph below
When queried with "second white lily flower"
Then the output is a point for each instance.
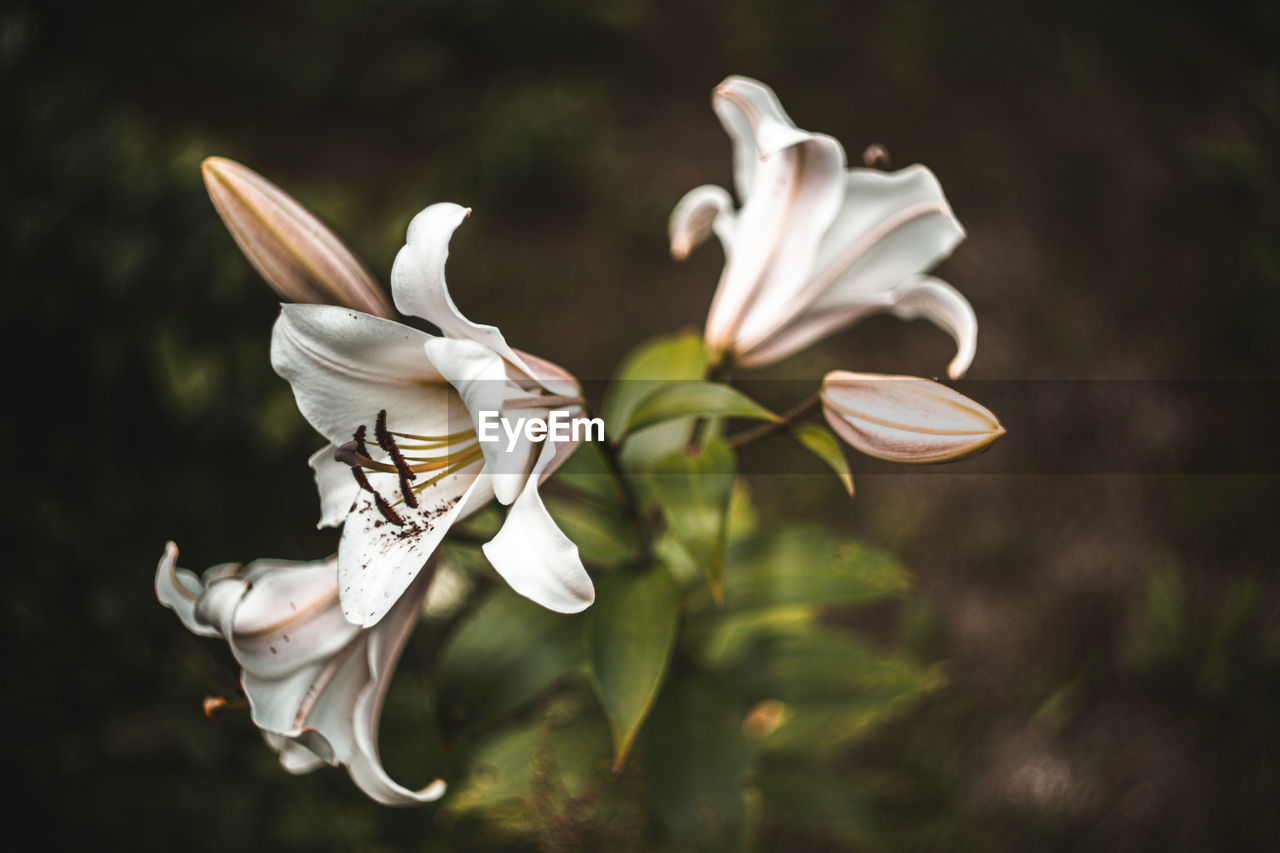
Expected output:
(400, 409)
(815, 246)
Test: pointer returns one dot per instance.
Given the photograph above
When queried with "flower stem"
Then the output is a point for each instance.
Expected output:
(769, 428)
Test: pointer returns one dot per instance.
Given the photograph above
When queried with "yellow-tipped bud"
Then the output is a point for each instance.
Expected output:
(905, 418)
(295, 252)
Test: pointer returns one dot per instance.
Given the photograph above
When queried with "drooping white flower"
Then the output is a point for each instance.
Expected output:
(400, 409)
(815, 246)
(315, 682)
(905, 418)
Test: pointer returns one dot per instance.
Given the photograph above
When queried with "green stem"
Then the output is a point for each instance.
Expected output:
(770, 427)
(613, 458)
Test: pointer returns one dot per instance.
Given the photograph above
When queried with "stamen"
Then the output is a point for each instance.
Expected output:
(361, 479)
(349, 453)
(359, 439)
(438, 439)
(387, 443)
(380, 431)
(387, 512)
(435, 463)
(463, 460)
(216, 706)
(405, 489)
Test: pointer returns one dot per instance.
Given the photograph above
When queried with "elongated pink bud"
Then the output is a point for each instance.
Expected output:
(295, 252)
(905, 418)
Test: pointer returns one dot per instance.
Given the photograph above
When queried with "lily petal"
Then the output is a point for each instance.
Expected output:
(289, 618)
(295, 252)
(917, 296)
(378, 560)
(905, 418)
(338, 489)
(757, 126)
(385, 645)
(703, 210)
(345, 367)
(534, 556)
(797, 192)
(418, 285)
(178, 590)
(480, 378)
(889, 228)
(935, 300)
(550, 375)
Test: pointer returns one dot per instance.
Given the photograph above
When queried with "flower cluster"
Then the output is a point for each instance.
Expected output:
(813, 246)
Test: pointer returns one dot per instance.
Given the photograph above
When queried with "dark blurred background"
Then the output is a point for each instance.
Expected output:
(1112, 641)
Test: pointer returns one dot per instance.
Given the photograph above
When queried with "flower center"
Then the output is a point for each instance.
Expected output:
(435, 455)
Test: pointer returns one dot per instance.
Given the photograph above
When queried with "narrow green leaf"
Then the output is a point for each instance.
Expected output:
(502, 657)
(693, 491)
(676, 400)
(629, 634)
(601, 536)
(823, 444)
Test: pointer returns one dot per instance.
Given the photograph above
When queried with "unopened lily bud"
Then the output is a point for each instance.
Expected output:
(295, 252)
(905, 418)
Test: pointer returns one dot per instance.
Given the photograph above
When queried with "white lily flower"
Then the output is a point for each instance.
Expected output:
(315, 683)
(815, 246)
(905, 418)
(356, 376)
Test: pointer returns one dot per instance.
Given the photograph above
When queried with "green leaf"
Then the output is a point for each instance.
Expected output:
(670, 357)
(660, 360)
(821, 665)
(587, 473)
(504, 655)
(549, 769)
(807, 564)
(696, 759)
(676, 400)
(602, 537)
(629, 634)
(822, 443)
(693, 492)
(829, 688)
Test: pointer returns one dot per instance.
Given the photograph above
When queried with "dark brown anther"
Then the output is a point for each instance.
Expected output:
(358, 437)
(387, 512)
(380, 431)
(876, 157)
(405, 475)
(361, 479)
